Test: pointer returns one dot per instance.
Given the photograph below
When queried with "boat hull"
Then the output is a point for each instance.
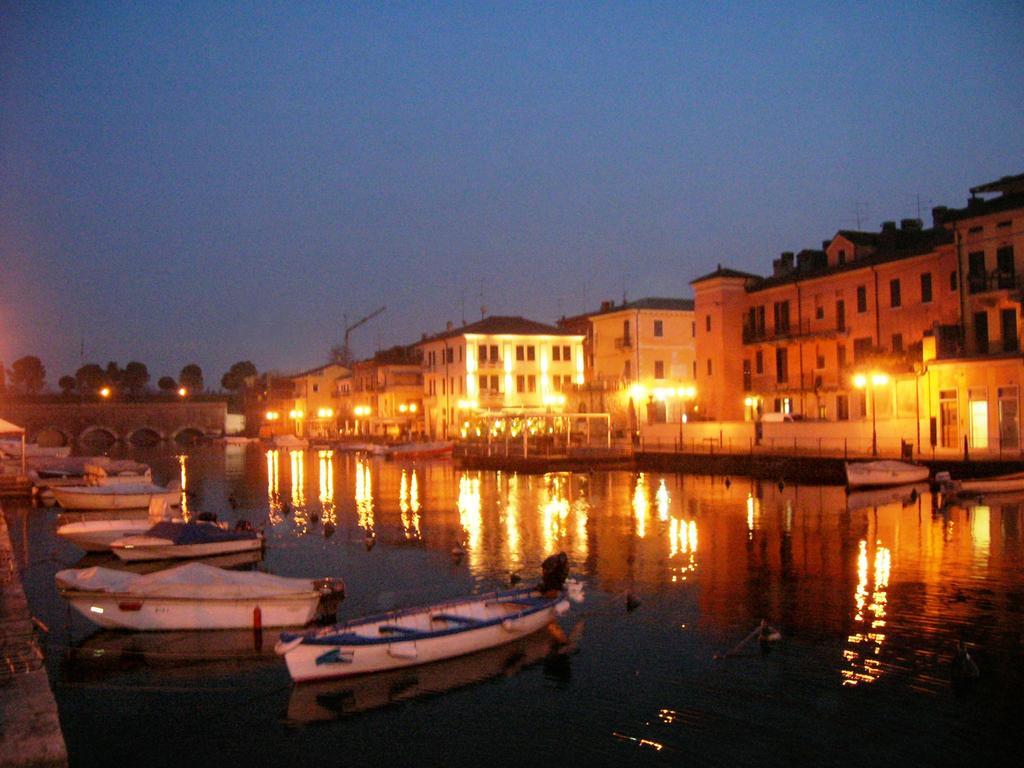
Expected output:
(70, 497)
(877, 474)
(318, 660)
(99, 535)
(1001, 484)
(127, 611)
(141, 551)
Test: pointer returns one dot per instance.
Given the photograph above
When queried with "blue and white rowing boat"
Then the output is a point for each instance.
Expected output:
(430, 633)
(419, 635)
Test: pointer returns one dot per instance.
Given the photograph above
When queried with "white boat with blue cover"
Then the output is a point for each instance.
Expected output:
(419, 635)
(169, 540)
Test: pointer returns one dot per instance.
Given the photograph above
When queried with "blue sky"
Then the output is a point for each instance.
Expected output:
(208, 182)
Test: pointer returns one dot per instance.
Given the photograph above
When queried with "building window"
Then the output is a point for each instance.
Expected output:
(952, 281)
(926, 287)
(709, 366)
(627, 370)
(316, 387)
(659, 369)
(531, 352)
(694, 369)
(531, 383)
(1009, 424)
(520, 383)
(1008, 328)
(781, 365)
(842, 408)
(819, 312)
(894, 293)
(707, 323)
(840, 315)
(566, 353)
(556, 352)
(841, 256)
(1005, 270)
(693, 328)
(520, 352)
(657, 328)
(450, 355)
(481, 353)
(625, 331)
(781, 317)
(897, 343)
(759, 362)
(949, 421)
(862, 299)
(820, 361)
(861, 348)
(747, 380)
(976, 276)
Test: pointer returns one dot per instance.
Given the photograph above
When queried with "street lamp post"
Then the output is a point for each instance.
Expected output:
(871, 382)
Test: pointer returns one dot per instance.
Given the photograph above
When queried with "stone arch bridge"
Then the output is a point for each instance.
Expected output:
(64, 423)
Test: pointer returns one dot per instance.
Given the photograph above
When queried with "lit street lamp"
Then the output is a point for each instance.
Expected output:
(872, 382)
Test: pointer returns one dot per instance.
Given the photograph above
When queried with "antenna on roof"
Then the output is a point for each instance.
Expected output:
(858, 208)
(918, 201)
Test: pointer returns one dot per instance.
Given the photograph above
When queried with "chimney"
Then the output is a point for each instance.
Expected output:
(911, 225)
(449, 325)
(939, 214)
(888, 226)
(607, 305)
(783, 265)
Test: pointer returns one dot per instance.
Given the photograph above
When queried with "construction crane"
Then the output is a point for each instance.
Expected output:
(346, 352)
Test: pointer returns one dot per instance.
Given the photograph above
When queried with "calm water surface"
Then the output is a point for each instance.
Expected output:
(869, 596)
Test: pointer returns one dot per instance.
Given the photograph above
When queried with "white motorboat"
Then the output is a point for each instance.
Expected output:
(97, 535)
(980, 486)
(290, 441)
(867, 474)
(119, 496)
(196, 596)
(428, 633)
(172, 541)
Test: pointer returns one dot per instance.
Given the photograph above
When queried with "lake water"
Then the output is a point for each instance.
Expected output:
(869, 596)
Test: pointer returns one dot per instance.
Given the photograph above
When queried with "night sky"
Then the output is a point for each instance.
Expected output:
(212, 182)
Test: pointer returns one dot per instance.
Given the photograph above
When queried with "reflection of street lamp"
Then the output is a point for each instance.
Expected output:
(872, 382)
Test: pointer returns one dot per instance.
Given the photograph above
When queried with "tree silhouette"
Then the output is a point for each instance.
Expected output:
(235, 378)
(135, 377)
(28, 374)
(67, 385)
(90, 378)
(167, 384)
(191, 377)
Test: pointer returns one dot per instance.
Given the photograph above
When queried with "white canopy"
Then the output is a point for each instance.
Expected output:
(6, 428)
(195, 581)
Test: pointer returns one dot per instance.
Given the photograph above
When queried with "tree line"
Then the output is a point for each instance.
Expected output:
(27, 376)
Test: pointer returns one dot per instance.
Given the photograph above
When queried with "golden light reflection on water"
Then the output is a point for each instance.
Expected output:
(364, 495)
(183, 468)
(641, 505)
(865, 645)
(274, 485)
(409, 505)
(298, 475)
(470, 517)
(753, 514)
(663, 500)
(682, 535)
(554, 510)
(511, 517)
(329, 512)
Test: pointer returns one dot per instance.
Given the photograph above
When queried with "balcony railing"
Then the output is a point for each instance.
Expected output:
(996, 280)
(623, 342)
(793, 331)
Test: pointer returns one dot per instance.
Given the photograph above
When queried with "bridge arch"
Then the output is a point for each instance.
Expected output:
(188, 434)
(145, 436)
(98, 434)
(53, 437)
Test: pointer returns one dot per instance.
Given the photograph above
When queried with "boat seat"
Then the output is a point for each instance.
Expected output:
(452, 618)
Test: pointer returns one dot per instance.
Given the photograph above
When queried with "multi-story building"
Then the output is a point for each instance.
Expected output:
(384, 395)
(498, 365)
(315, 402)
(640, 363)
(890, 325)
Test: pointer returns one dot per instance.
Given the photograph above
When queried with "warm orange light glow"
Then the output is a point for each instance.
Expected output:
(182, 392)
(295, 414)
(105, 392)
(273, 415)
(325, 413)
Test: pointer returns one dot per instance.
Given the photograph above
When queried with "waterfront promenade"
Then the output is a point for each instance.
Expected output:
(30, 733)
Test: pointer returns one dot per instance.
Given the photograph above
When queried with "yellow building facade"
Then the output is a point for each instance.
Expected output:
(498, 365)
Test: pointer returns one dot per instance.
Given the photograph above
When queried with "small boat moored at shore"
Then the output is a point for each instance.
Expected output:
(169, 540)
(428, 633)
(980, 486)
(118, 496)
(433, 450)
(196, 596)
(873, 474)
